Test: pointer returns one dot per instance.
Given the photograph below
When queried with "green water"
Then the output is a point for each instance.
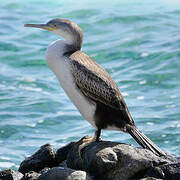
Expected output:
(137, 42)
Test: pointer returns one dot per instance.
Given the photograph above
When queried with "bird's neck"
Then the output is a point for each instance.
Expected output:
(73, 44)
(73, 39)
(55, 54)
(60, 48)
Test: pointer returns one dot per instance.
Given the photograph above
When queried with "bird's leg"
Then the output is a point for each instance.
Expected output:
(95, 138)
(97, 135)
(86, 141)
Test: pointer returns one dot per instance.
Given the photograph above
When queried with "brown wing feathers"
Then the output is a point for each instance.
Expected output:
(94, 82)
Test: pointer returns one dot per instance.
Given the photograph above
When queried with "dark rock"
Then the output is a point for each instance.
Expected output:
(167, 171)
(115, 161)
(73, 160)
(155, 172)
(45, 157)
(31, 176)
(150, 178)
(102, 160)
(61, 173)
(63, 164)
(62, 152)
(10, 174)
(44, 170)
(171, 171)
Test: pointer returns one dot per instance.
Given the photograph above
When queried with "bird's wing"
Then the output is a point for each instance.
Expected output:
(94, 82)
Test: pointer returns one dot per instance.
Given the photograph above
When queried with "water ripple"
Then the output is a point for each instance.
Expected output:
(138, 44)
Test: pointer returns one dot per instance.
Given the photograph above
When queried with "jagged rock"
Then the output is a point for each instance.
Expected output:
(155, 172)
(150, 178)
(169, 171)
(102, 160)
(62, 152)
(10, 174)
(63, 164)
(61, 173)
(31, 176)
(115, 161)
(45, 157)
(44, 170)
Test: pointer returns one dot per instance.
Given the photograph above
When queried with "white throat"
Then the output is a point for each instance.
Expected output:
(55, 49)
(69, 39)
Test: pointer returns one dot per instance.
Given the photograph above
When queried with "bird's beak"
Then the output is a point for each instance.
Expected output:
(42, 26)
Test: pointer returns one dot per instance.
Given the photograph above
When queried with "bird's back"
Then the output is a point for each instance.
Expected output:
(91, 65)
(96, 84)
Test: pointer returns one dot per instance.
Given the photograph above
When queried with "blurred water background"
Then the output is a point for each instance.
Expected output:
(136, 41)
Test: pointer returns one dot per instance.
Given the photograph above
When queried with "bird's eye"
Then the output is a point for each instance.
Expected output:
(54, 25)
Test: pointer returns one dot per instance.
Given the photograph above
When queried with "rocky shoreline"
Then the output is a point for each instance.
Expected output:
(104, 160)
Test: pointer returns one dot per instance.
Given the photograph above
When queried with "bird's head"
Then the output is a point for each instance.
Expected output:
(64, 28)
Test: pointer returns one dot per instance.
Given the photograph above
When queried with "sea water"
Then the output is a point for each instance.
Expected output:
(136, 41)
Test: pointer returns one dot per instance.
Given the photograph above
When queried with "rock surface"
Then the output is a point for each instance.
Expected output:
(102, 160)
(10, 174)
(44, 157)
(111, 160)
(61, 173)
(62, 152)
(31, 176)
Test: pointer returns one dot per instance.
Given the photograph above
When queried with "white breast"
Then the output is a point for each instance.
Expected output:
(60, 65)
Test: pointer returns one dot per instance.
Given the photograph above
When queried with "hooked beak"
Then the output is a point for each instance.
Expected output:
(41, 26)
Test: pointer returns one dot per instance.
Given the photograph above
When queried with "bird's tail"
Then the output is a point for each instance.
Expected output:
(144, 141)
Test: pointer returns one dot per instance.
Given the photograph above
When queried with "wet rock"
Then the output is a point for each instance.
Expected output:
(10, 174)
(61, 173)
(63, 164)
(115, 161)
(44, 170)
(171, 171)
(31, 176)
(102, 160)
(73, 160)
(45, 157)
(154, 172)
(62, 152)
(166, 171)
(149, 178)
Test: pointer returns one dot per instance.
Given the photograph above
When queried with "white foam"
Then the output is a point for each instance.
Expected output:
(143, 82)
(6, 164)
(28, 79)
(170, 106)
(144, 54)
(4, 158)
(150, 123)
(125, 94)
(31, 88)
(140, 97)
(31, 125)
(41, 121)
(123, 86)
(173, 96)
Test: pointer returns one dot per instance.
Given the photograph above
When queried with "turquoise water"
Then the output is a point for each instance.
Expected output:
(137, 42)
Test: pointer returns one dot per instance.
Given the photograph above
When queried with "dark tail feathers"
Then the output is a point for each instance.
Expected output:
(144, 141)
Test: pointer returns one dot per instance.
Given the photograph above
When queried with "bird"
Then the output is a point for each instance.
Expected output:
(90, 88)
